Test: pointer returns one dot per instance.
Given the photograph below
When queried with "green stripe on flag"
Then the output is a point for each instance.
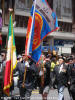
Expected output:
(9, 27)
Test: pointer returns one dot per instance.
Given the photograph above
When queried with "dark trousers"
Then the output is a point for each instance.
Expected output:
(70, 92)
(52, 79)
(25, 93)
(73, 95)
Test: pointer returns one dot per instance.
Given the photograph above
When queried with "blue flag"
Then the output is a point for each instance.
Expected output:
(45, 23)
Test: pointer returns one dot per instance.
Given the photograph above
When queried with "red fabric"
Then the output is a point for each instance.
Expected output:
(0, 40)
(7, 82)
(28, 33)
(37, 32)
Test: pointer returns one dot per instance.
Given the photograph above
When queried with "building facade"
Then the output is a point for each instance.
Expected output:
(63, 38)
(73, 9)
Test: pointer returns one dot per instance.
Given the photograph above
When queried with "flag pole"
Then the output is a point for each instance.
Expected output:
(10, 14)
(29, 41)
(42, 68)
(31, 27)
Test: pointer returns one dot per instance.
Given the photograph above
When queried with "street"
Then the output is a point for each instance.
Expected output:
(53, 94)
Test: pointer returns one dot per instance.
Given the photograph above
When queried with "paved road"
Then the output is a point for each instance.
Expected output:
(53, 94)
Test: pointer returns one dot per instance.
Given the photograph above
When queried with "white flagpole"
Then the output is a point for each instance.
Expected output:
(31, 27)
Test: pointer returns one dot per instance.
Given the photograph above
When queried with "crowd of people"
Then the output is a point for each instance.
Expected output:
(53, 71)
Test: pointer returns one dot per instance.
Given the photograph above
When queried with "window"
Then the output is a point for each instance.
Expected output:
(65, 27)
(21, 21)
(58, 42)
(23, 4)
(63, 8)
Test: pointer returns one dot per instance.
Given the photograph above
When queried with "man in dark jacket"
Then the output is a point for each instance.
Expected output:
(71, 82)
(27, 73)
(70, 64)
(60, 73)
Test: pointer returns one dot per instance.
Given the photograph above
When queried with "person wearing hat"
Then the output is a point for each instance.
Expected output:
(70, 64)
(27, 72)
(71, 75)
(16, 75)
(60, 74)
(19, 58)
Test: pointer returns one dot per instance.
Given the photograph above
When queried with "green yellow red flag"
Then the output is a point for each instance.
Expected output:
(11, 59)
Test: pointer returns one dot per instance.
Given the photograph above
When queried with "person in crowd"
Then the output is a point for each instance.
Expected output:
(71, 81)
(16, 75)
(1, 77)
(3, 54)
(60, 74)
(53, 63)
(44, 77)
(19, 58)
(49, 54)
(27, 73)
(2, 68)
(54, 53)
(70, 64)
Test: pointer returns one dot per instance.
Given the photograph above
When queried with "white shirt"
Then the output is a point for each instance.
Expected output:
(61, 69)
(27, 64)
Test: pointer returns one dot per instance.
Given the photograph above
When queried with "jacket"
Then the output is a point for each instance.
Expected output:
(71, 73)
(30, 75)
(60, 74)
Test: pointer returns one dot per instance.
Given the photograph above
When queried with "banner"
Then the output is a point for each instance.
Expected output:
(45, 23)
(11, 60)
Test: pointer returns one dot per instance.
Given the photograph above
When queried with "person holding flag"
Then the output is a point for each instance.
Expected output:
(42, 22)
(27, 75)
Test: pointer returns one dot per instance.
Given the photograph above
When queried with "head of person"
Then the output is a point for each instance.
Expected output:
(24, 57)
(49, 56)
(70, 60)
(49, 51)
(61, 60)
(19, 58)
(54, 59)
(66, 60)
(54, 53)
(3, 55)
